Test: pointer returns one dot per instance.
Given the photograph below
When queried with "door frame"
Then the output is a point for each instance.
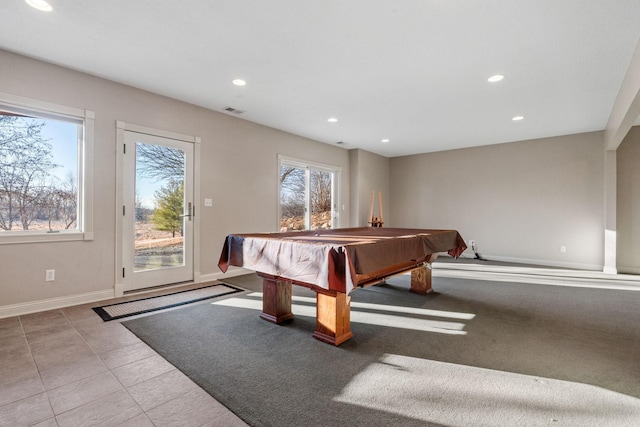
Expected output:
(121, 127)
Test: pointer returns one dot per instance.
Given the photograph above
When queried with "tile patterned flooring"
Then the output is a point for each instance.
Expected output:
(67, 367)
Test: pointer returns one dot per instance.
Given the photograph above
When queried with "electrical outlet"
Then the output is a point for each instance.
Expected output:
(49, 275)
(472, 244)
(563, 249)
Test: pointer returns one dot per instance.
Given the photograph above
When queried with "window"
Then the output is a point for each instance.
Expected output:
(307, 195)
(45, 171)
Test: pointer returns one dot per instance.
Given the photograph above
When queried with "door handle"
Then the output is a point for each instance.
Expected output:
(189, 212)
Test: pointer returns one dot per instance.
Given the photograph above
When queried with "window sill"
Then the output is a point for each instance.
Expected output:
(19, 238)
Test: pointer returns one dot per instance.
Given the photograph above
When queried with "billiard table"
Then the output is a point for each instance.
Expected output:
(333, 263)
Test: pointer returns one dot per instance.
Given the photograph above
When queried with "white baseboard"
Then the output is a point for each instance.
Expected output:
(628, 270)
(233, 271)
(541, 262)
(53, 303)
(68, 301)
(612, 282)
(117, 291)
(548, 263)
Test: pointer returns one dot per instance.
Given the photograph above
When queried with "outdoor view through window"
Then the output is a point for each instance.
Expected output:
(159, 225)
(305, 198)
(38, 173)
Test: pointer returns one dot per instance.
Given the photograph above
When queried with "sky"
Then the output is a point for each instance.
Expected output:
(63, 137)
(145, 189)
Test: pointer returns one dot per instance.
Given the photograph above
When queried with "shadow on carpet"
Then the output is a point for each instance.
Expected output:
(475, 353)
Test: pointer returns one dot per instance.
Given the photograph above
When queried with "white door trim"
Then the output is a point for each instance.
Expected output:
(121, 127)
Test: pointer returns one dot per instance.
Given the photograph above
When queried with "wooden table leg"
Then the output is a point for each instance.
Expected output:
(333, 318)
(421, 280)
(276, 300)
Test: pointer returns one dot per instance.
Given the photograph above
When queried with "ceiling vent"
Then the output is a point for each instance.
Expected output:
(232, 110)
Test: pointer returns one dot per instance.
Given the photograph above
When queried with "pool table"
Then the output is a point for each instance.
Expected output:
(333, 263)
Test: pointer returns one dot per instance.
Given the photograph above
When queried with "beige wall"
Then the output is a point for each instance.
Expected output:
(239, 172)
(369, 172)
(520, 201)
(628, 197)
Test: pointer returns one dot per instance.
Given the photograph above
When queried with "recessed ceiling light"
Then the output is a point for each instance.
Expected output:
(495, 78)
(40, 5)
(517, 118)
(332, 120)
(239, 82)
(385, 140)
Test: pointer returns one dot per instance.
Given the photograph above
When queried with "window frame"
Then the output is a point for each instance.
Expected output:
(86, 119)
(307, 165)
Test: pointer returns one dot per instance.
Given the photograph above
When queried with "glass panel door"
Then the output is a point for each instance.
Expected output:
(293, 197)
(321, 199)
(158, 225)
(306, 197)
(159, 204)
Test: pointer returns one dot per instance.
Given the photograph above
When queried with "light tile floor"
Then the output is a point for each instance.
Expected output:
(67, 367)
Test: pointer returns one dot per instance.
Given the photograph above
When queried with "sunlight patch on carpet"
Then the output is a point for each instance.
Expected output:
(434, 392)
(372, 314)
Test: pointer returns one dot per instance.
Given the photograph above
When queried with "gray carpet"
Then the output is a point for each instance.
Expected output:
(476, 353)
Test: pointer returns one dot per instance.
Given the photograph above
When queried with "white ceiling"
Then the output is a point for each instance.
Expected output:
(412, 71)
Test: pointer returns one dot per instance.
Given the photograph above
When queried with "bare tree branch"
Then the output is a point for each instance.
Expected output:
(159, 162)
(25, 164)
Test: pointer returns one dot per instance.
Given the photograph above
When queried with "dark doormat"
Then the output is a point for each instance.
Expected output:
(161, 302)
